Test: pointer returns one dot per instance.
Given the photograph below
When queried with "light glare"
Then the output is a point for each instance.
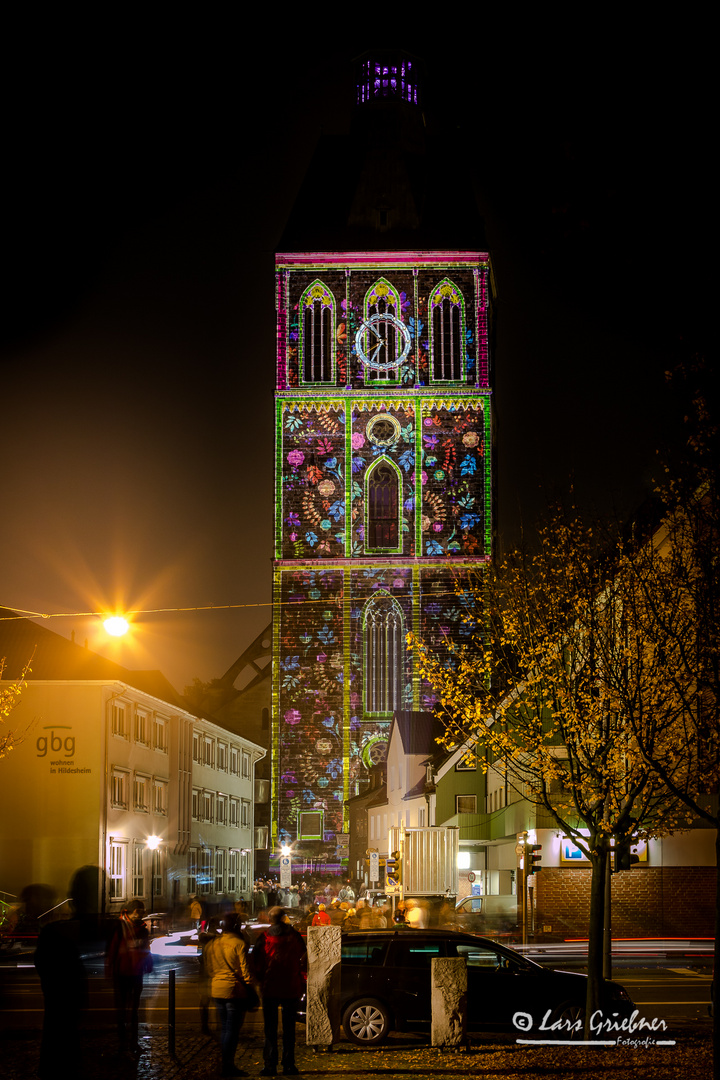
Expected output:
(116, 625)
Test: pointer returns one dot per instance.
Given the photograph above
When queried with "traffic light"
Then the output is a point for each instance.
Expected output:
(532, 858)
(623, 857)
(393, 868)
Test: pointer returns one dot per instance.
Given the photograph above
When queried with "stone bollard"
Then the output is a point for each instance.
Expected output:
(449, 1002)
(323, 985)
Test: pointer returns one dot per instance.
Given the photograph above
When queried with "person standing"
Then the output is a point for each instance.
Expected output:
(231, 980)
(127, 960)
(321, 917)
(280, 958)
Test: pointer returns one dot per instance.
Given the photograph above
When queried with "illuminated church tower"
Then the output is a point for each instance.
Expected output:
(383, 443)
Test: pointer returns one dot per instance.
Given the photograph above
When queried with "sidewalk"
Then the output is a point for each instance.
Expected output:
(197, 1057)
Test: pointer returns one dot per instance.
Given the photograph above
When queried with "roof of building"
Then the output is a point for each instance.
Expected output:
(390, 182)
(53, 657)
(419, 732)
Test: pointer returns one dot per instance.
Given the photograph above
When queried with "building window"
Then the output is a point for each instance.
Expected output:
(232, 871)
(222, 756)
(138, 887)
(421, 817)
(192, 871)
(244, 871)
(245, 765)
(234, 812)
(157, 866)
(446, 339)
(119, 789)
(142, 728)
(221, 810)
(234, 761)
(317, 337)
(141, 793)
(160, 790)
(383, 488)
(160, 734)
(468, 762)
(466, 804)
(116, 873)
(383, 299)
(196, 805)
(205, 878)
(118, 720)
(208, 751)
(310, 825)
(207, 805)
(220, 870)
(245, 814)
(197, 748)
(384, 644)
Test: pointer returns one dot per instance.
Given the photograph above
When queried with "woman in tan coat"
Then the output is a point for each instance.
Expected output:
(227, 968)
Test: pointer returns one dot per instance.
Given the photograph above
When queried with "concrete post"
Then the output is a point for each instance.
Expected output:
(323, 985)
(449, 1002)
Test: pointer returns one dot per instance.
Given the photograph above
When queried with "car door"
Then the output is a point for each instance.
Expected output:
(497, 986)
(409, 965)
(364, 973)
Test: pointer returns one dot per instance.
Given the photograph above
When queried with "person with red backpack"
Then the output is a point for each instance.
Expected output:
(279, 960)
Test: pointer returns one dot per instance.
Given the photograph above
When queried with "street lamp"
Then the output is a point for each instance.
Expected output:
(152, 843)
(116, 625)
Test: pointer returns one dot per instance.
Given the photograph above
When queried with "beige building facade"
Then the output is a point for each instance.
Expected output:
(103, 765)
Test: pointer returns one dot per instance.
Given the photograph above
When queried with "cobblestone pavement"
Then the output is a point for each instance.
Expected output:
(197, 1058)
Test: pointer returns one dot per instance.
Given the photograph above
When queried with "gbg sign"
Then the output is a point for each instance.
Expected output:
(55, 742)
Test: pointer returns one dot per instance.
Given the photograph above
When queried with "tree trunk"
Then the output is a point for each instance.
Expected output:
(598, 861)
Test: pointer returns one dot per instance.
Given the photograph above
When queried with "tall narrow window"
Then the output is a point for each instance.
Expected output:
(447, 319)
(317, 325)
(116, 870)
(384, 639)
(383, 507)
(383, 299)
(138, 872)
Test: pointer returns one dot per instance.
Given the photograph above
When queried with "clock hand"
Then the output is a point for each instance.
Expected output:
(376, 350)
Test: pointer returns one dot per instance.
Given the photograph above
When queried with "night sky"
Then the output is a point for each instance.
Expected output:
(146, 188)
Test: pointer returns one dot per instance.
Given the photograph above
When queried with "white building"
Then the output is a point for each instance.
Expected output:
(109, 758)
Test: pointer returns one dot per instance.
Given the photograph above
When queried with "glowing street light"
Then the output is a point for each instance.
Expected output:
(116, 625)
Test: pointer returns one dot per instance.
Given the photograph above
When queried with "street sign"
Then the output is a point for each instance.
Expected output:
(374, 866)
(285, 872)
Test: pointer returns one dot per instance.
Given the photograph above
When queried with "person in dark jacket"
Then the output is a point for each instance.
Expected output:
(280, 958)
(127, 959)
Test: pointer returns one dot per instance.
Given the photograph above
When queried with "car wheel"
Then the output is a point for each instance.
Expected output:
(366, 1022)
(572, 1017)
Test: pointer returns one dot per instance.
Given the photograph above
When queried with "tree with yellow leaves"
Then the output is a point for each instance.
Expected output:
(9, 696)
(554, 684)
(671, 601)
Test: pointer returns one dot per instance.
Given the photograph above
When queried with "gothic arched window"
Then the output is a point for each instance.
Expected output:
(383, 299)
(317, 333)
(384, 643)
(382, 494)
(447, 316)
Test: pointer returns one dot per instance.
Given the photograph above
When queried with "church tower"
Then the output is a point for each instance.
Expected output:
(383, 451)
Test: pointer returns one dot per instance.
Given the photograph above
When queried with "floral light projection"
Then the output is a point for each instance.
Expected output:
(434, 444)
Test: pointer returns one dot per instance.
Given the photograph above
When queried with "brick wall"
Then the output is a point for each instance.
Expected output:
(671, 901)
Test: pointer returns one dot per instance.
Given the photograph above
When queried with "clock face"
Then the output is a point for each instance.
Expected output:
(382, 342)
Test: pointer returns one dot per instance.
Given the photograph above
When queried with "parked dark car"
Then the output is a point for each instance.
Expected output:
(385, 984)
